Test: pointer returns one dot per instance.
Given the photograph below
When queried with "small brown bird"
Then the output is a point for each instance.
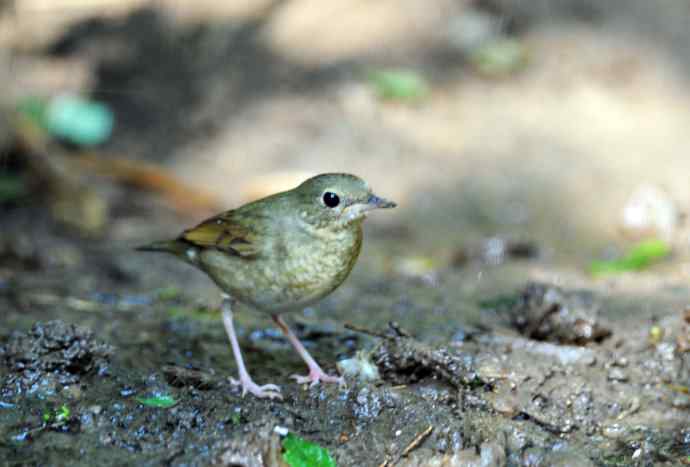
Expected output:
(279, 254)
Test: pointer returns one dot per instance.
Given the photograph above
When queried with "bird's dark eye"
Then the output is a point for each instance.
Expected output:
(330, 199)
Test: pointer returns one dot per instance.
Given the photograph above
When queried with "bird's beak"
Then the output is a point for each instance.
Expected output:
(374, 202)
(359, 210)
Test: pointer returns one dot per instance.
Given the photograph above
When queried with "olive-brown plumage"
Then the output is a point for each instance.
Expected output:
(281, 253)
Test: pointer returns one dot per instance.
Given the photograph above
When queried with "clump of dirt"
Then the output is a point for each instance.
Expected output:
(547, 313)
(404, 360)
(53, 353)
(178, 377)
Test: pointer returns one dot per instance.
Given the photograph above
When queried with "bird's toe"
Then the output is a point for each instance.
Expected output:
(266, 391)
(315, 377)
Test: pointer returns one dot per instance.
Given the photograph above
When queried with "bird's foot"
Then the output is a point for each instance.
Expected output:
(317, 375)
(269, 391)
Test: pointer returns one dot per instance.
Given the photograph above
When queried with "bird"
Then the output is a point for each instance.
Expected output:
(281, 254)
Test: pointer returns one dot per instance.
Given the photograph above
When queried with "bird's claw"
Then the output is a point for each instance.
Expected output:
(266, 391)
(317, 375)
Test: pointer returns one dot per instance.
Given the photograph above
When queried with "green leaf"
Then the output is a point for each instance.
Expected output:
(640, 257)
(62, 414)
(160, 401)
(302, 453)
(59, 415)
(399, 84)
(79, 120)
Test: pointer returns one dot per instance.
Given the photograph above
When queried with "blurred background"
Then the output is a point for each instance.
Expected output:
(553, 131)
(479, 117)
(562, 122)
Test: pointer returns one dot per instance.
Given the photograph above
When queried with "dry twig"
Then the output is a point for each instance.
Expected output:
(417, 441)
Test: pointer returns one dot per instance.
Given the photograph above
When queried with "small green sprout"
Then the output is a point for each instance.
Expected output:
(59, 415)
(62, 414)
(640, 257)
(236, 418)
(160, 401)
(400, 85)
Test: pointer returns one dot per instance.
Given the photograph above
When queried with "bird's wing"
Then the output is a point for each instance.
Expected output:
(228, 232)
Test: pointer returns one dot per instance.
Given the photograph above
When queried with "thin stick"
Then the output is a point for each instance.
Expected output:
(353, 327)
(416, 442)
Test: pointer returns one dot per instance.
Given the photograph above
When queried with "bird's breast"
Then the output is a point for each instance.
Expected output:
(292, 272)
(312, 269)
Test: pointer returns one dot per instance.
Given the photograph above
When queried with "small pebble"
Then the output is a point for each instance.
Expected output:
(621, 362)
(616, 374)
(681, 401)
(650, 210)
(490, 368)
(73, 391)
(666, 351)
(506, 404)
(359, 367)
(127, 391)
(614, 431)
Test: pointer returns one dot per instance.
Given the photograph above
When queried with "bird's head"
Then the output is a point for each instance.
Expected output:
(336, 200)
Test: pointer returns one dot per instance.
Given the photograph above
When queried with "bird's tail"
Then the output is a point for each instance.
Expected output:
(174, 247)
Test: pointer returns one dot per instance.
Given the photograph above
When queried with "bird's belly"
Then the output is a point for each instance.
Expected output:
(282, 282)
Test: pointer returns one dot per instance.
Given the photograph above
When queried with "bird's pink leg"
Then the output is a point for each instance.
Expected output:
(316, 374)
(248, 385)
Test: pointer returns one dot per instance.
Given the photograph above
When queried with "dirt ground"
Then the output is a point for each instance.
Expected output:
(492, 342)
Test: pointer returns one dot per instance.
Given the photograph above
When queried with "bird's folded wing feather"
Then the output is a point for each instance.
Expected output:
(225, 232)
